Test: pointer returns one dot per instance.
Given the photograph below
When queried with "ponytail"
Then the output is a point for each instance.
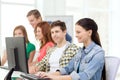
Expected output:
(96, 38)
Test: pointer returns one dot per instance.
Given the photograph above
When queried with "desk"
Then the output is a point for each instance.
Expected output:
(3, 73)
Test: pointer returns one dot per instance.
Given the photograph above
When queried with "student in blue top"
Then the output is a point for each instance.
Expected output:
(88, 63)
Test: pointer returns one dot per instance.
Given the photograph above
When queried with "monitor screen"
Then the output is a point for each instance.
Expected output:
(16, 54)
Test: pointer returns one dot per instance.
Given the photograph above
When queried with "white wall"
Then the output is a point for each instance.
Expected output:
(105, 12)
(114, 28)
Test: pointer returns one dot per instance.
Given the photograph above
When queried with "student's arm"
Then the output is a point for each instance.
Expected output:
(54, 76)
(30, 53)
(57, 76)
(39, 66)
(64, 77)
(31, 57)
(4, 58)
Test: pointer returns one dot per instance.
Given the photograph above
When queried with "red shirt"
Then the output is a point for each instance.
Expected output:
(43, 50)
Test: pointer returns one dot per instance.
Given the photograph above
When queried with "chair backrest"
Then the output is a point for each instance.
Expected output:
(111, 65)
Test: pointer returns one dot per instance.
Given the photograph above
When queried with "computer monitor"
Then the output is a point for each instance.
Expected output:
(16, 54)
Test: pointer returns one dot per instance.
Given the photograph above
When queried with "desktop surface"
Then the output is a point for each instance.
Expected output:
(16, 74)
(4, 72)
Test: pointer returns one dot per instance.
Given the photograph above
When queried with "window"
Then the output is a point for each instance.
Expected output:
(13, 13)
(97, 10)
(20, 1)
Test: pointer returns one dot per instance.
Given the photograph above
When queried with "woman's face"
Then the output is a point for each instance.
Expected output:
(39, 33)
(18, 33)
(57, 34)
(81, 34)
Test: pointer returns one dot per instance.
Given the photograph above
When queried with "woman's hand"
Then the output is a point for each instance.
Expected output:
(47, 75)
(42, 74)
(33, 69)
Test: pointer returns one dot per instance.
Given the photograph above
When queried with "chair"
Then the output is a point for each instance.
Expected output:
(111, 65)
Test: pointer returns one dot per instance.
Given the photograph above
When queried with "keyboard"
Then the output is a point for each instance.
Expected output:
(33, 77)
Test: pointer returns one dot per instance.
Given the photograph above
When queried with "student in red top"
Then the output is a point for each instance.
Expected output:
(42, 31)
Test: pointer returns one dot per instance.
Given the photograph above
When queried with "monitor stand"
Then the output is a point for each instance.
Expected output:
(8, 76)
